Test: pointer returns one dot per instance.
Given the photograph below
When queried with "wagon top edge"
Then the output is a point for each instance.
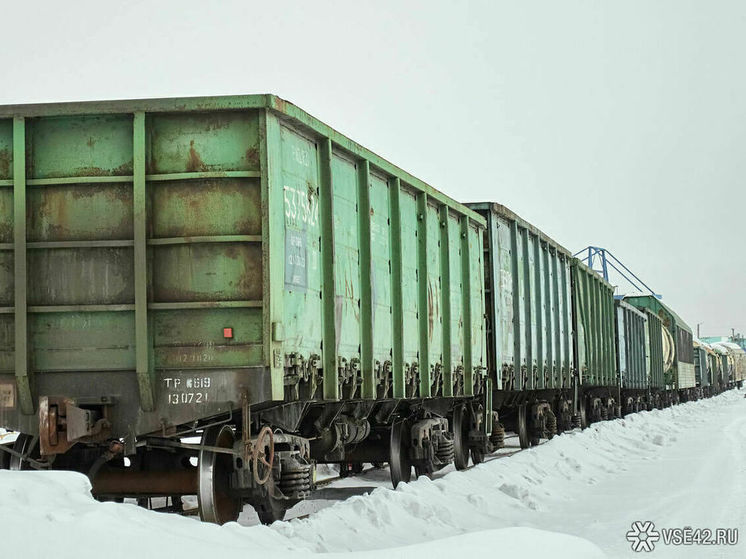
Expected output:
(510, 215)
(583, 267)
(632, 309)
(284, 109)
(655, 305)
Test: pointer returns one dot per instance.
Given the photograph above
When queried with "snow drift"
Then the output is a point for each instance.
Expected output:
(574, 496)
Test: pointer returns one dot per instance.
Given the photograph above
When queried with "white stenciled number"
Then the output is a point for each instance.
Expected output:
(180, 398)
(299, 206)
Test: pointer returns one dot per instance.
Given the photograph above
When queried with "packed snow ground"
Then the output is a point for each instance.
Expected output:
(575, 496)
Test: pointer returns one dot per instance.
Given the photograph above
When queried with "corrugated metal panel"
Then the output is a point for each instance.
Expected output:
(725, 369)
(632, 357)
(528, 303)
(654, 341)
(702, 375)
(715, 365)
(686, 376)
(594, 312)
(682, 371)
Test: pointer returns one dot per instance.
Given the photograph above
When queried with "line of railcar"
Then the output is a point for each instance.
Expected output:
(234, 269)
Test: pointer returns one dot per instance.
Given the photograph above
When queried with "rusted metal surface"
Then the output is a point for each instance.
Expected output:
(62, 424)
(132, 483)
(632, 353)
(528, 304)
(151, 228)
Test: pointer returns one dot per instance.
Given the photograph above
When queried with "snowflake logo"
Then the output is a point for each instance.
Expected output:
(643, 536)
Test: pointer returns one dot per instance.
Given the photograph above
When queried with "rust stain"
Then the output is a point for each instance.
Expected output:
(252, 158)
(30, 160)
(49, 216)
(92, 172)
(121, 170)
(5, 163)
(279, 104)
(232, 251)
(91, 142)
(194, 161)
(430, 311)
(217, 121)
(124, 169)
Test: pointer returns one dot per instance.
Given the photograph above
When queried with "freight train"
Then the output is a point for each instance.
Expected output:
(233, 269)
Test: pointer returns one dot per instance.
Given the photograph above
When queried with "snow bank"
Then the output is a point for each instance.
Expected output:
(513, 504)
(499, 492)
(53, 513)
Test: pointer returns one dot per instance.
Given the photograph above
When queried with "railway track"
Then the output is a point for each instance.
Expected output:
(161, 504)
(326, 482)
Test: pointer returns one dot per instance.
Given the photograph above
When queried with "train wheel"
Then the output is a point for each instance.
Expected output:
(461, 437)
(477, 456)
(551, 423)
(583, 414)
(424, 470)
(218, 503)
(563, 415)
(610, 409)
(26, 445)
(400, 463)
(523, 436)
(270, 509)
(497, 438)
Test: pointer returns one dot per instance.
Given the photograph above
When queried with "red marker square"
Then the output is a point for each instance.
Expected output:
(228, 333)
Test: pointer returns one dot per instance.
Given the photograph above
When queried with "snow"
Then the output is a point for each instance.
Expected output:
(575, 496)
(7, 437)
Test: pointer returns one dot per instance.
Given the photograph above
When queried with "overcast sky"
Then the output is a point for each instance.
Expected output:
(619, 124)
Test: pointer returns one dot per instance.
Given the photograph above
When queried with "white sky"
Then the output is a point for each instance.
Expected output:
(619, 124)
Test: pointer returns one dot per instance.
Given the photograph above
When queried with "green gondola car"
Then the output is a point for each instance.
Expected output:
(235, 268)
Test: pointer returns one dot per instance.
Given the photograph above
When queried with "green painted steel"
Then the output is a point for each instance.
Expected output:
(366, 279)
(144, 363)
(20, 263)
(425, 309)
(654, 346)
(236, 236)
(528, 304)
(632, 356)
(444, 384)
(594, 302)
(682, 372)
(397, 298)
(725, 368)
(326, 216)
